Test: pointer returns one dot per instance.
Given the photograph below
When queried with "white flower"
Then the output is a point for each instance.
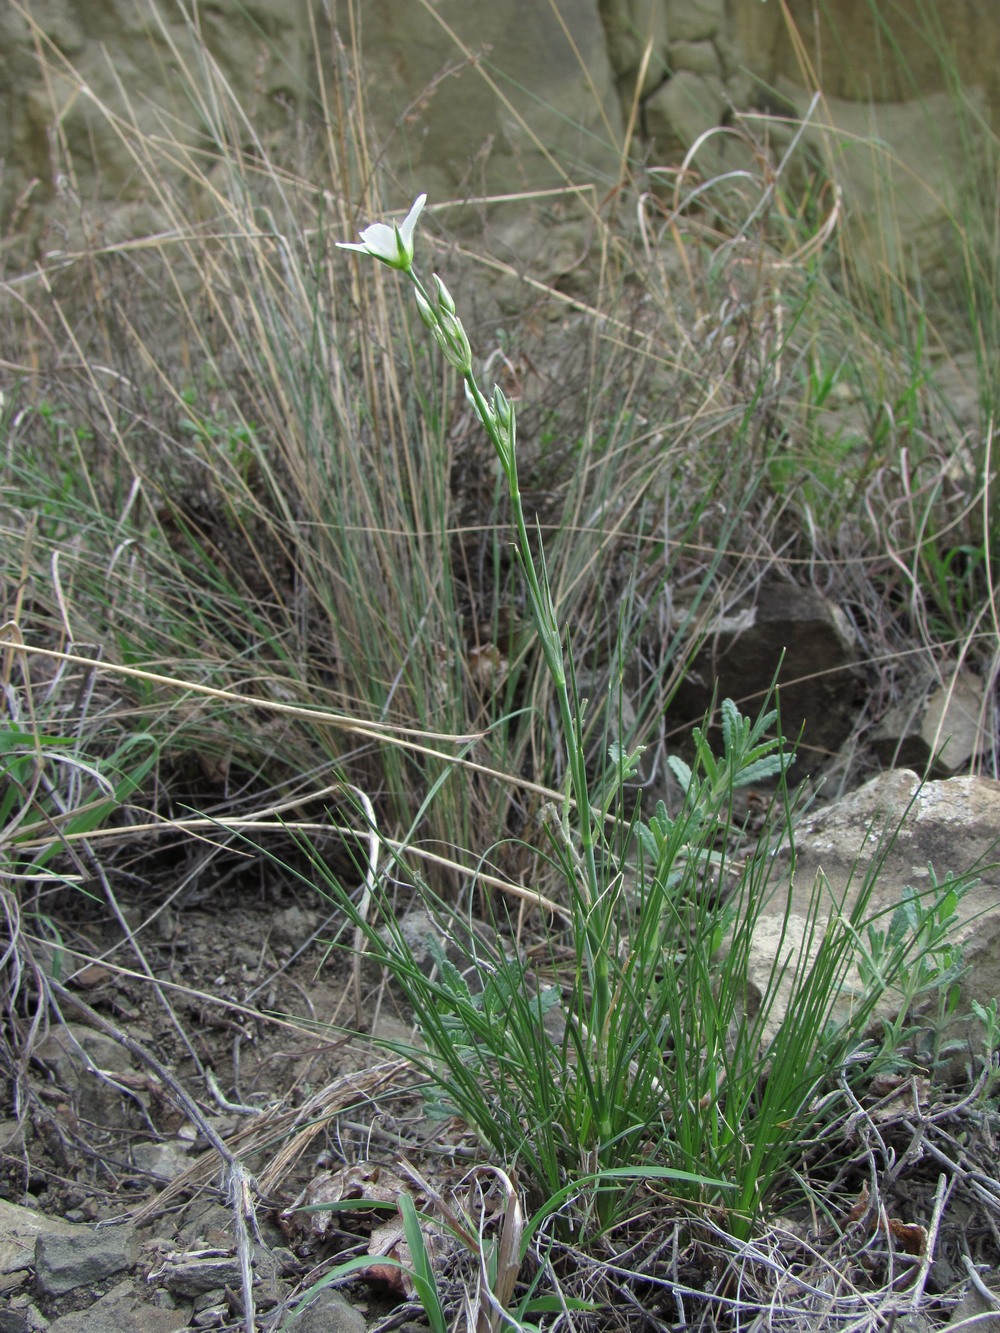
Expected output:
(392, 245)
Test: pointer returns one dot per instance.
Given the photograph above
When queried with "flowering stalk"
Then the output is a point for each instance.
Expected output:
(393, 246)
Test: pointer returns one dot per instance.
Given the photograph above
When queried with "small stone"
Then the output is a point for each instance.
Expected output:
(329, 1312)
(74, 1052)
(14, 1134)
(695, 57)
(34, 1318)
(941, 724)
(695, 20)
(953, 726)
(194, 1273)
(680, 111)
(213, 1316)
(292, 926)
(216, 1297)
(164, 1160)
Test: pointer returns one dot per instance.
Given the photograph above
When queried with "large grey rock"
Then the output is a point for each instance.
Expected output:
(909, 832)
(897, 165)
(458, 136)
(68, 1259)
(20, 1229)
(847, 43)
(482, 102)
(131, 58)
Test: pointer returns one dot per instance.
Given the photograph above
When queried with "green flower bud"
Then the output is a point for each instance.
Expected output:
(427, 313)
(445, 301)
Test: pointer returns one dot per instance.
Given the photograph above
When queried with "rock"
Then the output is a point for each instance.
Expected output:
(951, 825)
(694, 20)
(207, 1225)
(847, 42)
(69, 1259)
(14, 1137)
(164, 1160)
(444, 127)
(458, 120)
(31, 1315)
(974, 1311)
(681, 110)
(20, 1229)
(329, 1312)
(212, 1316)
(74, 1052)
(820, 673)
(12, 1322)
(696, 57)
(123, 1309)
(196, 1272)
(293, 926)
(882, 232)
(629, 26)
(943, 726)
(421, 933)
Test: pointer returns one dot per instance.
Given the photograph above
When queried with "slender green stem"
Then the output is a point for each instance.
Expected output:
(497, 418)
(544, 615)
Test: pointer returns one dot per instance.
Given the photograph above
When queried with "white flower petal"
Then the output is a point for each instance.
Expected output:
(393, 245)
(410, 221)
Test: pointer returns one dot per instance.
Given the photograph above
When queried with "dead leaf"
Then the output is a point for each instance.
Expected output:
(899, 1096)
(860, 1205)
(911, 1237)
(367, 1182)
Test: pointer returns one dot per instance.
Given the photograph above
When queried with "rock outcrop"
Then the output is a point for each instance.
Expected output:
(913, 835)
(476, 102)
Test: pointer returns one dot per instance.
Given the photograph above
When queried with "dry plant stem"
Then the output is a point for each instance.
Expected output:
(942, 1194)
(239, 1183)
(294, 1129)
(368, 730)
(366, 898)
(990, 1297)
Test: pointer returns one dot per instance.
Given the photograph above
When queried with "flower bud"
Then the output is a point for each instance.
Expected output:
(426, 310)
(445, 300)
(454, 343)
(502, 407)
